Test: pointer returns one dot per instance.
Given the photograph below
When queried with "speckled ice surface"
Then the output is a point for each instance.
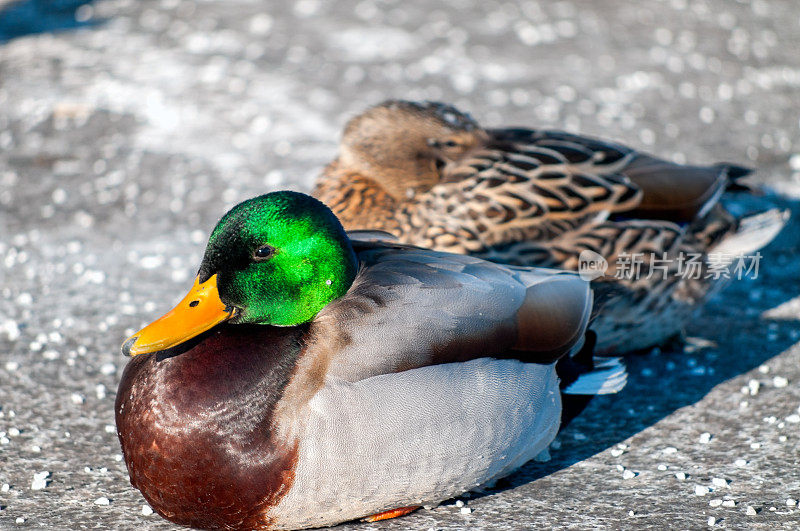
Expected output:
(121, 145)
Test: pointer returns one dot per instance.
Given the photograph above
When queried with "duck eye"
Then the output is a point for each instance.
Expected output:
(263, 253)
(451, 144)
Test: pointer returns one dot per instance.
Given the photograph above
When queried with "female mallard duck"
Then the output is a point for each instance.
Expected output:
(432, 176)
(308, 379)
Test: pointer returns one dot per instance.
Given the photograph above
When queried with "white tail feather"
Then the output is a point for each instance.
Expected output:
(754, 233)
(609, 376)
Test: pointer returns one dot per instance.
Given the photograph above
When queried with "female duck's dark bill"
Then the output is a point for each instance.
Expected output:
(200, 310)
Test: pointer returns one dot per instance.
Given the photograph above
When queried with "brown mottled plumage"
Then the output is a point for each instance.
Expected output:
(432, 176)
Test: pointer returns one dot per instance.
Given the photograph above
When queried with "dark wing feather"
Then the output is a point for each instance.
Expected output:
(670, 191)
(679, 192)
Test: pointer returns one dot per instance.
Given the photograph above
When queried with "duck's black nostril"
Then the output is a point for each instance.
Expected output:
(126, 347)
(194, 303)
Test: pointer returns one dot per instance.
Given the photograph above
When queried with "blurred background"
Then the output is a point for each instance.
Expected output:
(127, 128)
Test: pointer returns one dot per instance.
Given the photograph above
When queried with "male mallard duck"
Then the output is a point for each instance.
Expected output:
(432, 176)
(308, 379)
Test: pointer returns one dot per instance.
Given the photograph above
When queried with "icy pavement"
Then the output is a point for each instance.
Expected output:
(121, 144)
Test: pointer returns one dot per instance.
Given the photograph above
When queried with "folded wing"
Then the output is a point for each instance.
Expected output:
(411, 308)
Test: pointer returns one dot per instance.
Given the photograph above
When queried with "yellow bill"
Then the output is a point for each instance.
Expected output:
(200, 310)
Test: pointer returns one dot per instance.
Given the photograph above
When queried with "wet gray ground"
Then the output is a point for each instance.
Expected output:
(122, 143)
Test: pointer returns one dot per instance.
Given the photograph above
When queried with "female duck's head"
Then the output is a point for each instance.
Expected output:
(276, 259)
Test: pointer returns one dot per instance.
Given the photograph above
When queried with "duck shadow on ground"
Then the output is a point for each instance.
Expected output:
(735, 337)
(26, 17)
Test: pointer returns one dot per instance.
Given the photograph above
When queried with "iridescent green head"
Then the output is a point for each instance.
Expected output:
(279, 259)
